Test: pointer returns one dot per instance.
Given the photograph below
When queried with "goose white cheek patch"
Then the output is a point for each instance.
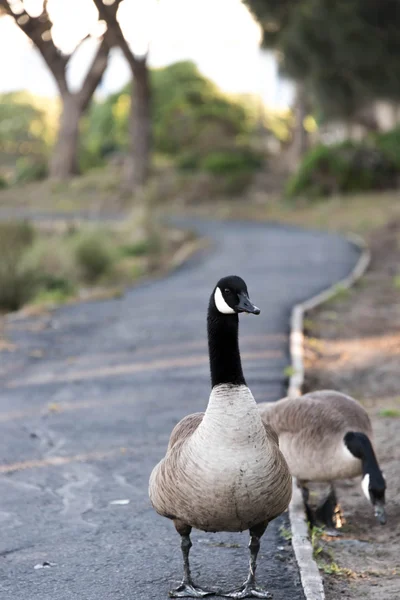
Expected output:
(365, 486)
(220, 303)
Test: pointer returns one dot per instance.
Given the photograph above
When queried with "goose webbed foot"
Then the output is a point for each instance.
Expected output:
(188, 590)
(248, 590)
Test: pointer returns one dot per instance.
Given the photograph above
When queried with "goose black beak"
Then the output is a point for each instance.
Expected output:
(380, 513)
(246, 306)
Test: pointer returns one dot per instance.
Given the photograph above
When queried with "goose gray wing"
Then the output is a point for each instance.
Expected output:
(162, 484)
(184, 429)
(269, 430)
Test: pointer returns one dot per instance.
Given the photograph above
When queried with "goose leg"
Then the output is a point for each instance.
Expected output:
(306, 496)
(249, 588)
(329, 511)
(187, 587)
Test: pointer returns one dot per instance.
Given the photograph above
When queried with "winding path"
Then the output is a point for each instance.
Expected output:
(87, 402)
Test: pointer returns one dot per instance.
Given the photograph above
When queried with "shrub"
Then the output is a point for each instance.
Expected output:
(3, 183)
(94, 255)
(389, 144)
(149, 245)
(28, 169)
(53, 262)
(188, 161)
(17, 281)
(228, 162)
(342, 168)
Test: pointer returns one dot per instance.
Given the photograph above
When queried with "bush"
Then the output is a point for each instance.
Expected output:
(17, 281)
(94, 255)
(28, 169)
(343, 168)
(229, 162)
(3, 183)
(389, 144)
(53, 262)
(188, 161)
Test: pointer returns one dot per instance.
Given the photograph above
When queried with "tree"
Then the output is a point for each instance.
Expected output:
(345, 53)
(63, 162)
(138, 166)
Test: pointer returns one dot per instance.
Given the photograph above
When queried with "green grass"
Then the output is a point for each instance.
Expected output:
(96, 191)
(45, 297)
(289, 371)
(392, 413)
(396, 282)
(51, 268)
(285, 533)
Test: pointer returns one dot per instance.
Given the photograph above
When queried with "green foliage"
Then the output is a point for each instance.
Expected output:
(24, 128)
(141, 248)
(94, 255)
(190, 118)
(51, 267)
(29, 169)
(3, 183)
(342, 168)
(345, 53)
(389, 144)
(226, 162)
(232, 170)
(189, 111)
(17, 282)
(391, 413)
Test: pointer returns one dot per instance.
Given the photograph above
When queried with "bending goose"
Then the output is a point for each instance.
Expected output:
(223, 470)
(325, 436)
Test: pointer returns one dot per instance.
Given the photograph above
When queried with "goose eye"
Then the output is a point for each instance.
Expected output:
(227, 291)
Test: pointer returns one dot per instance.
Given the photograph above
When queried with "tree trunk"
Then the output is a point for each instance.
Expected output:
(299, 143)
(300, 136)
(137, 166)
(64, 160)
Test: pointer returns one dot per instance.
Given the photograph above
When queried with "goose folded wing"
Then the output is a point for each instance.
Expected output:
(184, 429)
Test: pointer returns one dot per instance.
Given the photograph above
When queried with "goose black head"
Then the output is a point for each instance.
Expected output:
(373, 482)
(231, 297)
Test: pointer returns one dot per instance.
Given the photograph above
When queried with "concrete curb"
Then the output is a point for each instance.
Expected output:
(309, 573)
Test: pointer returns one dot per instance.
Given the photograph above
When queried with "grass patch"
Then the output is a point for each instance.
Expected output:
(285, 533)
(289, 371)
(39, 267)
(324, 556)
(17, 280)
(96, 191)
(391, 413)
(396, 282)
(94, 255)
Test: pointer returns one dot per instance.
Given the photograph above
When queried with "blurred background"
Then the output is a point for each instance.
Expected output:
(110, 106)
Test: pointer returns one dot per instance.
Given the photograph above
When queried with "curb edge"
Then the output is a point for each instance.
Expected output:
(310, 576)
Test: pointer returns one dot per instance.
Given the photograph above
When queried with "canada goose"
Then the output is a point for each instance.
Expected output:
(223, 470)
(325, 436)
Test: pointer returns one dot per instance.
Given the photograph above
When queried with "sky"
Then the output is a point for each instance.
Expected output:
(220, 36)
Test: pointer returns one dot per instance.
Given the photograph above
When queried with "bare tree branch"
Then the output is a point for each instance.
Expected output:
(95, 73)
(116, 37)
(38, 30)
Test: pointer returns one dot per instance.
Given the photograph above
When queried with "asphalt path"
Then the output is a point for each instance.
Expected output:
(89, 397)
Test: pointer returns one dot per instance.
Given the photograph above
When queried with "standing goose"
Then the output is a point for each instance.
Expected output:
(223, 470)
(325, 436)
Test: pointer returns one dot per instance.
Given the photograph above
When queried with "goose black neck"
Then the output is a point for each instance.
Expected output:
(360, 446)
(223, 346)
